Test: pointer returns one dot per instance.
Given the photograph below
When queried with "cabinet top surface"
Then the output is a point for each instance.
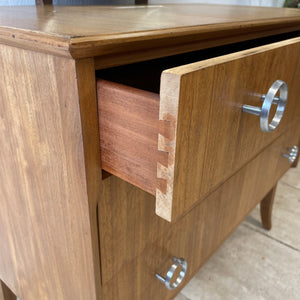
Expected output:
(72, 27)
(87, 21)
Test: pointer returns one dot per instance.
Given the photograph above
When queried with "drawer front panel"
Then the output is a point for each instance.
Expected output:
(213, 136)
(195, 237)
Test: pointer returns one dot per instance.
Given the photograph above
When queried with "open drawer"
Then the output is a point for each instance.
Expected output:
(181, 144)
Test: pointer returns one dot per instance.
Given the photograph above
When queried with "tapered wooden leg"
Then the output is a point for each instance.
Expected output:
(295, 163)
(6, 293)
(266, 207)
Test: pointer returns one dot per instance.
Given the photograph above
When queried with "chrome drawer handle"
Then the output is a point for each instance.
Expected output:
(167, 281)
(293, 153)
(269, 99)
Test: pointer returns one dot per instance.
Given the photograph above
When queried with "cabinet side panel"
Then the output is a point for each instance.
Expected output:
(46, 247)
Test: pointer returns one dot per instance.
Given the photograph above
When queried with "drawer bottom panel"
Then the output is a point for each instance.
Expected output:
(144, 245)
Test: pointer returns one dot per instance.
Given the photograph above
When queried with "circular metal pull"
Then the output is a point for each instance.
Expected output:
(167, 281)
(293, 153)
(269, 99)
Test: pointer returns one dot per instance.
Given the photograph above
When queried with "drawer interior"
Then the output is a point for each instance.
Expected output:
(155, 124)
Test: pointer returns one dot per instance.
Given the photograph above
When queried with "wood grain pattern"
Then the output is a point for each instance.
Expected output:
(97, 31)
(266, 206)
(128, 122)
(6, 293)
(212, 137)
(46, 245)
(138, 243)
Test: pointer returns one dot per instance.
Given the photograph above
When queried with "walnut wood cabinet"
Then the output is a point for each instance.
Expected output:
(134, 139)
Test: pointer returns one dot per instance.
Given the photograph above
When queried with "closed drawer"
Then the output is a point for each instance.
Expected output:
(180, 145)
(198, 234)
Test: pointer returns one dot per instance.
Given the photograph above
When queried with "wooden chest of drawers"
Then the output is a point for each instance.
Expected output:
(138, 138)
